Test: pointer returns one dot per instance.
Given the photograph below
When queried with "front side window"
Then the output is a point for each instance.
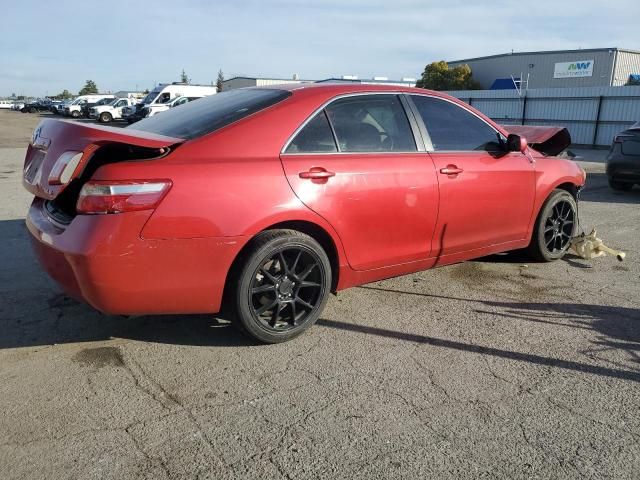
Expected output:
(315, 137)
(151, 96)
(452, 128)
(371, 123)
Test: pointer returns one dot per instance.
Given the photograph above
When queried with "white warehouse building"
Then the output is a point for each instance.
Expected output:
(596, 67)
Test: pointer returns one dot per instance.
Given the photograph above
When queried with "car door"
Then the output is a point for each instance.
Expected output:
(119, 106)
(356, 163)
(486, 192)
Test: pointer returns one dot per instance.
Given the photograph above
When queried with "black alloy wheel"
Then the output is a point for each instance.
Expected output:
(559, 226)
(555, 227)
(283, 286)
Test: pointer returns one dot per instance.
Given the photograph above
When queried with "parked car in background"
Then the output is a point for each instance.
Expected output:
(623, 160)
(128, 112)
(60, 107)
(264, 200)
(40, 105)
(74, 108)
(165, 93)
(6, 104)
(111, 111)
(154, 109)
(53, 106)
(17, 105)
(86, 107)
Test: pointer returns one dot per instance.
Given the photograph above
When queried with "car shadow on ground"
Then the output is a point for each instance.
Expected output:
(34, 313)
(614, 328)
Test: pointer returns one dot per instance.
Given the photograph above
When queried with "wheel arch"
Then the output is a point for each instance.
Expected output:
(567, 184)
(315, 231)
(570, 187)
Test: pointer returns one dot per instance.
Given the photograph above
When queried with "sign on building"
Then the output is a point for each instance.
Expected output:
(581, 68)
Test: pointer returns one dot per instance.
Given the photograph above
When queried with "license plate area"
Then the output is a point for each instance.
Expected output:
(32, 172)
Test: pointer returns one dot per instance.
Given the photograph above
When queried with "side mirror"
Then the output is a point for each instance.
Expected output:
(516, 143)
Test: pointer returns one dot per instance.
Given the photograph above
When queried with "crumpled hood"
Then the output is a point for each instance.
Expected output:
(547, 140)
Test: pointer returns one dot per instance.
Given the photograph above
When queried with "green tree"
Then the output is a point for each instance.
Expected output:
(64, 95)
(438, 76)
(219, 81)
(89, 88)
(184, 78)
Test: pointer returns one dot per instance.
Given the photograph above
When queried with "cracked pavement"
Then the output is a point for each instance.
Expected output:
(496, 368)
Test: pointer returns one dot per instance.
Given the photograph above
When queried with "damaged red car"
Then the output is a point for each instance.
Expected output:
(262, 201)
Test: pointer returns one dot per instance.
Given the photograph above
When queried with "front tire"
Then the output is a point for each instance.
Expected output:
(554, 228)
(75, 114)
(105, 117)
(280, 285)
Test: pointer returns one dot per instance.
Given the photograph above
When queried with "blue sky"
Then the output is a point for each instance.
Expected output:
(47, 46)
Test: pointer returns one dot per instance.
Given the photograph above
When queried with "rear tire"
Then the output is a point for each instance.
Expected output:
(280, 285)
(620, 186)
(554, 228)
(105, 117)
(75, 114)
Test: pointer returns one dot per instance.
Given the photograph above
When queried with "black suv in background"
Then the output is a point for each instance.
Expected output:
(623, 160)
(37, 106)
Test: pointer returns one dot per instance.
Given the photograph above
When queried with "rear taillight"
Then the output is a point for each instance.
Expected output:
(64, 168)
(621, 138)
(98, 197)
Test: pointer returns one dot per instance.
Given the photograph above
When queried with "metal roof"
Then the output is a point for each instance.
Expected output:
(545, 52)
(267, 78)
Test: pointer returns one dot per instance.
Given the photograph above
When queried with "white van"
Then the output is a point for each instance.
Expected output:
(6, 104)
(166, 92)
(73, 109)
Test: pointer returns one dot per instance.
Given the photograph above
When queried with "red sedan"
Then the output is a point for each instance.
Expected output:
(265, 200)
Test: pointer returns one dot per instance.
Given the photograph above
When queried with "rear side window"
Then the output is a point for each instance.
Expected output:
(315, 137)
(455, 129)
(371, 123)
(211, 113)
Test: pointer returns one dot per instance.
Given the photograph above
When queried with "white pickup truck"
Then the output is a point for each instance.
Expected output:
(165, 93)
(74, 108)
(112, 111)
(155, 108)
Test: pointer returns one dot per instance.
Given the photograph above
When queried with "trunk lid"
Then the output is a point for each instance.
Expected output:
(53, 139)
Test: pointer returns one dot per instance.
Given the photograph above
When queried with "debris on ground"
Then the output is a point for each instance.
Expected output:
(590, 246)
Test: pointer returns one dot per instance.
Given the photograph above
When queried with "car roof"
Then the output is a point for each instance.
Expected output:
(340, 88)
(329, 89)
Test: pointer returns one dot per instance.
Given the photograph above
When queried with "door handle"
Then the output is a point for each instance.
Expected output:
(451, 170)
(317, 173)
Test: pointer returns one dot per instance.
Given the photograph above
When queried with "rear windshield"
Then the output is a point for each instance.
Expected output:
(208, 114)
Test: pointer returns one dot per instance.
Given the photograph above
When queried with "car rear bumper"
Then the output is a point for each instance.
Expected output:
(103, 261)
(624, 169)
